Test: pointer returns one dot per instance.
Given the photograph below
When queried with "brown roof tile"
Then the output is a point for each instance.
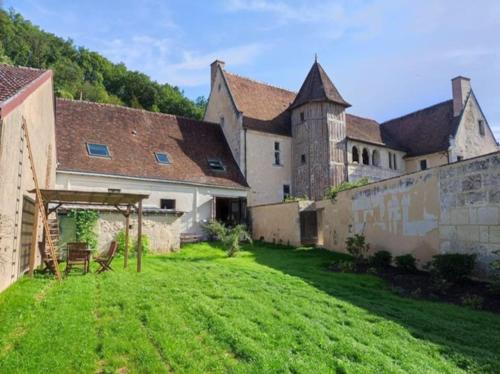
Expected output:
(425, 131)
(14, 78)
(134, 135)
(264, 106)
(318, 87)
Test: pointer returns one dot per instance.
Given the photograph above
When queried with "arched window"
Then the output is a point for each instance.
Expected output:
(375, 158)
(355, 155)
(366, 157)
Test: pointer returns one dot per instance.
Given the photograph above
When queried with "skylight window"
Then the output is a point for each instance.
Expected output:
(216, 165)
(98, 150)
(162, 158)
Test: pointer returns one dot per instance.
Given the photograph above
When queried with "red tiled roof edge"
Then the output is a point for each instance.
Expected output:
(12, 102)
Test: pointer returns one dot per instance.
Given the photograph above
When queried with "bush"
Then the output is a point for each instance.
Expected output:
(473, 301)
(358, 248)
(345, 266)
(453, 267)
(407, 263)
(331, 192)
(132, 244)
(231, 237)
(381, 259)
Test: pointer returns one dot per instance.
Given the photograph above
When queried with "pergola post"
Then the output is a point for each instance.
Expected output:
(34, 238)
(139, 237)
(127, 231)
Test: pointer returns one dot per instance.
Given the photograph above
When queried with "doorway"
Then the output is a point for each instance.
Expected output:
(231, 211)
(308, 227)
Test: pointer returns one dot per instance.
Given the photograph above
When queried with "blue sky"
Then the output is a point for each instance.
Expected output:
(387, 57)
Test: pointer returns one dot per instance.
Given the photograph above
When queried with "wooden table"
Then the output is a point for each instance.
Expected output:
(78, 254)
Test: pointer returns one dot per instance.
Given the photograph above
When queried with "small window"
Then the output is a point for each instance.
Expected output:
(302, 117)
(303, 159)
(460, 158)
(366, 157)
(481, 127)
(216, 165)
(162, 158)
(167, 204)
(218, 87)
(394, 163)
(355, 155)
(286, 191)
(423, 164)
(97, 150)
(221, 121)
(114, 190)
(277, 155)
(390, 160)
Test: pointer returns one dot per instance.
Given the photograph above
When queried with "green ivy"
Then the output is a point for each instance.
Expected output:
(85, 224)
(332, 192)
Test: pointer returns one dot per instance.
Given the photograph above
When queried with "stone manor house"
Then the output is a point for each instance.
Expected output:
(299, 144)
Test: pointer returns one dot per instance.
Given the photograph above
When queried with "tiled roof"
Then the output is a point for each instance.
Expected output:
(264, 106)
(13, 79)
(425, 131)
(318, 87)
(133, 136)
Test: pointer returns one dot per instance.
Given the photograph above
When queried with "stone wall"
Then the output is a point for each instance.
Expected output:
(163, 230)
(276, 223)
(470, 208)
(454, 208)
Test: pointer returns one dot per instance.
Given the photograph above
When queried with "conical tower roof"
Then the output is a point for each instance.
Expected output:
(318, 87)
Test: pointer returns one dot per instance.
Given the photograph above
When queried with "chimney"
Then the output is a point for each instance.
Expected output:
(213, 70)
(460, 87)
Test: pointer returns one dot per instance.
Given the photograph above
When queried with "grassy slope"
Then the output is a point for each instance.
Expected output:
(269, 310)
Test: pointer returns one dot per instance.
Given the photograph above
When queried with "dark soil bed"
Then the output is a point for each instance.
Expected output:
(425, 285)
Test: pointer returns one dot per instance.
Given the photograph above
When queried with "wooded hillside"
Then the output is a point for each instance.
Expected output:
(80, 73)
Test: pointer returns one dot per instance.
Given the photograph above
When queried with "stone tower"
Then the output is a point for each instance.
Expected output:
(318, 135)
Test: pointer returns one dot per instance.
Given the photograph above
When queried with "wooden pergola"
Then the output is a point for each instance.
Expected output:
(122, 202)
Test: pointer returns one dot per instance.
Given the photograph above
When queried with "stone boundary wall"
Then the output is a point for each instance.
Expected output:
(454, 208)
(163, 230)
(276, 223)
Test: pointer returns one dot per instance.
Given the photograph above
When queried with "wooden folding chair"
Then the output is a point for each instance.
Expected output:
(105, 260)
(78, 254)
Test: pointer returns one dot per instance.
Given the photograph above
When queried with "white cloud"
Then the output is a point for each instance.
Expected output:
(166, 61)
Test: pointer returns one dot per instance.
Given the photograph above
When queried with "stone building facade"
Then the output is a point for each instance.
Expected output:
(325, 145)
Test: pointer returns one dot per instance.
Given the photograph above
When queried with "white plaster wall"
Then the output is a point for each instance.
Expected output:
(194, 201)
(265, 179)
(38, 110)
(220, 105)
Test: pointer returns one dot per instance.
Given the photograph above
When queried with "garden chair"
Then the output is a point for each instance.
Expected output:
(78, 254)
(105, 260)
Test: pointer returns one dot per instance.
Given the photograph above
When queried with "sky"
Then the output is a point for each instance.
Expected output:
(386, 57)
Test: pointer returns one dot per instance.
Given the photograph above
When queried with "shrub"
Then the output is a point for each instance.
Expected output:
(381, 259)
(495, 264)
(343, 266)
(407, 263)
(231, 237)
(473, 301)
(132, 244)
(494, 288)
(331, 192)
(85, 224)
(358, 248)
(453, 267)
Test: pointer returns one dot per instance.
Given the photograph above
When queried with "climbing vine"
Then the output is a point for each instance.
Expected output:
(85, 224)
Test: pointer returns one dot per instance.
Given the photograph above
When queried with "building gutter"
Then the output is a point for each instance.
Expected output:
(143, 179)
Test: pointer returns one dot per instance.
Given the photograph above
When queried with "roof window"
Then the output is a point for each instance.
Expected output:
(162, 158)
(216, 165)
(97, 150)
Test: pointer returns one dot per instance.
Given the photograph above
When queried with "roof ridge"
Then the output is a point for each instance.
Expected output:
(261, 82)
(417, 111)
(135, 110)
(369, 119)
(23, 67)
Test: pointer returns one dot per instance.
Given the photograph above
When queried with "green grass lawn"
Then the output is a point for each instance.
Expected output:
(268, 310)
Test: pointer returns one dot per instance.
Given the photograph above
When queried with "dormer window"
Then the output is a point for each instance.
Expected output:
(215, 165)
(98, 150)
(162, 158)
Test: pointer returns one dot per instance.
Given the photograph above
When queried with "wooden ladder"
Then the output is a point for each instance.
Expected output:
(41, 205)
